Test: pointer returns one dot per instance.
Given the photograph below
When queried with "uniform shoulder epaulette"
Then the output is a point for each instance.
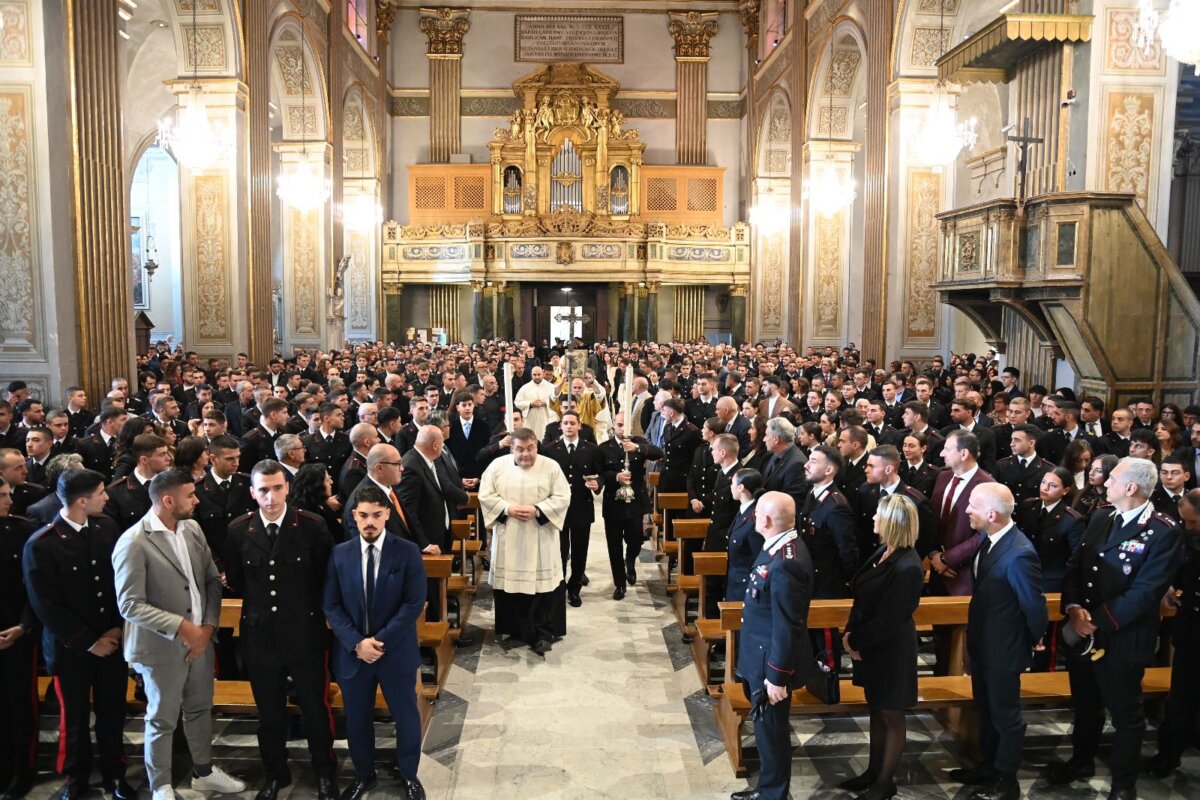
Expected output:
(1074, 513)
(790, 549)
(119, 482)
(837, 497)
(1166, 520)
(306, 514)
(19, 518)
(240, 519)
(913, 493)
(245, 475)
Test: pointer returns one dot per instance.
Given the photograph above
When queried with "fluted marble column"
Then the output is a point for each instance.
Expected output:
(649, 311)
(693, 33)
(260, 319)
(103, 284)
(737, 312)
(445, 28)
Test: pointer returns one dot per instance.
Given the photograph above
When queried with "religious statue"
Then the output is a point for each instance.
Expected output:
(545, 116)
(517, 126)
(587, 115)
(616, 121)
(337, 293)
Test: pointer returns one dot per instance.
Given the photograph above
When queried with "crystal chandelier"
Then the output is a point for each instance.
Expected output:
(361, 213)
(190, 137)
(941, 136)
(1178, 32)
(299, 185)
(828, 189)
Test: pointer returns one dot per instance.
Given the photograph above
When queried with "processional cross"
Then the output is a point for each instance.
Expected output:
(1023, 142)
(571, 319)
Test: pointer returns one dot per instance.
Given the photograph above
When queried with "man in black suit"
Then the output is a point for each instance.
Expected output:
(1007, 617)
(1022, 471)
(166, 412)
(99, 448)
(883, 479)
(223, 494)
(468, 435)
(283, 634)
(679, 442)
(1174, 475)
(1091, 417)
(258, 444)
(1117, 438)
(735, 424)
(774, 651)
(784, 470)
(362, 438)
(583, 464)
(963, 411)
(129, 497)
(81, 631)
(384, 471)
(700, 408)
(1112, 590)
(77, 412)
(916, 420)
(568, 405)
(938, 416)
(329, 444)
(877, 425)
(427, 492)
(852, 447)
(826, 524)
(623, 519)
(1054, 444)
(37, 452)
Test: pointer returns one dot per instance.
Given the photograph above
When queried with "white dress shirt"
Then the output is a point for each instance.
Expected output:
(994, 538)
(363, 545)
(179, 544)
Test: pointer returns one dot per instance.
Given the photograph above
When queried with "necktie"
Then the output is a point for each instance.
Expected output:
(1024, 463)
(948, 502)
(370, 589)
(1094, 428)
(225, 486)
(570, 449)
(396, 505)
(272, 534)
(984, 547)
(466, 429)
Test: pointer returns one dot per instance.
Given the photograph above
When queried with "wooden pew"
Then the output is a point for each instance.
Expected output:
(463, 584)
(664, 504)
(708, 629)
(951, 693)
(436, 635)
(686, 587)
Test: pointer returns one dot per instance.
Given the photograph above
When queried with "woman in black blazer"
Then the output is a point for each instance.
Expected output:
(745, 542)
(882, 640)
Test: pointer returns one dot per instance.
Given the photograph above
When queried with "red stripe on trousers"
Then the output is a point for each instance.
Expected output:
(61, 761)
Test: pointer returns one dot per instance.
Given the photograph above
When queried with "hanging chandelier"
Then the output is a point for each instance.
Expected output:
(299, 186)
(361, 213)
(829, 189)
(1175, 28)
(189, 135)
(942, 137)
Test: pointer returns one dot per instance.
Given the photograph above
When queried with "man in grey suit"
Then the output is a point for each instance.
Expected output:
(169, 627)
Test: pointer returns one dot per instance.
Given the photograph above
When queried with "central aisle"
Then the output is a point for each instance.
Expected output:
(602, 716)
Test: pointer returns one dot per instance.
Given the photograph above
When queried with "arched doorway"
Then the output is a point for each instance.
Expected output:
(154, 213)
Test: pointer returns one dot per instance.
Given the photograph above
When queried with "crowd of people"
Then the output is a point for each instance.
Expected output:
(824, 475)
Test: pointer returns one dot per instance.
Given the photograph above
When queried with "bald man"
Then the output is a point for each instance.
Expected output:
(1007, 618)
(774, 651)
(735, 423)
(427, 491)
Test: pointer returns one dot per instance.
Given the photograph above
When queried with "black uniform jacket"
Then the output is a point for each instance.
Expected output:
(1120, 574)
(774, 644)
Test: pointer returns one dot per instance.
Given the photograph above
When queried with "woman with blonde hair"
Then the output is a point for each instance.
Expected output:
(882, 640)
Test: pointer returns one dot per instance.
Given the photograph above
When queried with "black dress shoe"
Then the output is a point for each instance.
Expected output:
(747, 794)
(18, 787)
(631, 574)
(271, 790)
(72, 790)
(541, 647)
(1065, 772)
(584, 580)
(574, 599)
(1162, 765)
(413, 790)
(619, 593)
(1124, 793)
(1002, 789)
(971, 776)
(887, 793)
(327, 789)
(120, 789)
(464, 641)
(857, 783)
(358, 790)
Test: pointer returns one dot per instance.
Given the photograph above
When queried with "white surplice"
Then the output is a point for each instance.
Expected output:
(536, 419)
(526, 556)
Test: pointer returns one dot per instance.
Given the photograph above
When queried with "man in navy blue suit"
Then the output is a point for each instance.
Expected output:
(774, 651)
(373, 596)
(1006, 619)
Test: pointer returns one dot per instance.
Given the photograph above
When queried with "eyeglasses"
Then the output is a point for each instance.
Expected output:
(391, 463)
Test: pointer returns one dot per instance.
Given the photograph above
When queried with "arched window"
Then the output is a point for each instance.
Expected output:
(512, 190)
(618, 190)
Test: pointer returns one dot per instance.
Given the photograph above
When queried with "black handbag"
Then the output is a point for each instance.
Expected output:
(824, 682)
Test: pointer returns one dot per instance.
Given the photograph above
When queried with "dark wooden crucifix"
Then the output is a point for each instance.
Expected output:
(1023, 142)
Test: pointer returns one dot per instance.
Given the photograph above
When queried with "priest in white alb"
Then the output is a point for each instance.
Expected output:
(534, 401)
(524, 499)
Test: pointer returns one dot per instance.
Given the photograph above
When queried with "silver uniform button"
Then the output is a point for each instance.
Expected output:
(272, 608)
(273, 592)
(271, 562)
(272, 577)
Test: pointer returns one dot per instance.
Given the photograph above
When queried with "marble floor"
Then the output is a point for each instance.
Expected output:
(615, 711)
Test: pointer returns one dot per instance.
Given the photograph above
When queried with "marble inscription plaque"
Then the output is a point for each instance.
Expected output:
(591, 39)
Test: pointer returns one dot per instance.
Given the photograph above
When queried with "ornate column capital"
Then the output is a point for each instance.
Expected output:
(385, 12)
(748, 13)
(739, 290)
(693, 33)
(445, 28)
(653, 286)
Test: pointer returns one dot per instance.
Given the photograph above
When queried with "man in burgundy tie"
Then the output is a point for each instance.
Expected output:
(957, 541)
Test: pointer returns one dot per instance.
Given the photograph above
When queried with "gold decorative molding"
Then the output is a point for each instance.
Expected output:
(19, 258)
(748, 13)
(921, 306)
(445, 28)
(212, 262)
(739, 290)
(693, 32)
(385, 14)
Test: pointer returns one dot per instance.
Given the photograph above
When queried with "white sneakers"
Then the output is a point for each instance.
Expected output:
(164, 793)
(218, 781)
